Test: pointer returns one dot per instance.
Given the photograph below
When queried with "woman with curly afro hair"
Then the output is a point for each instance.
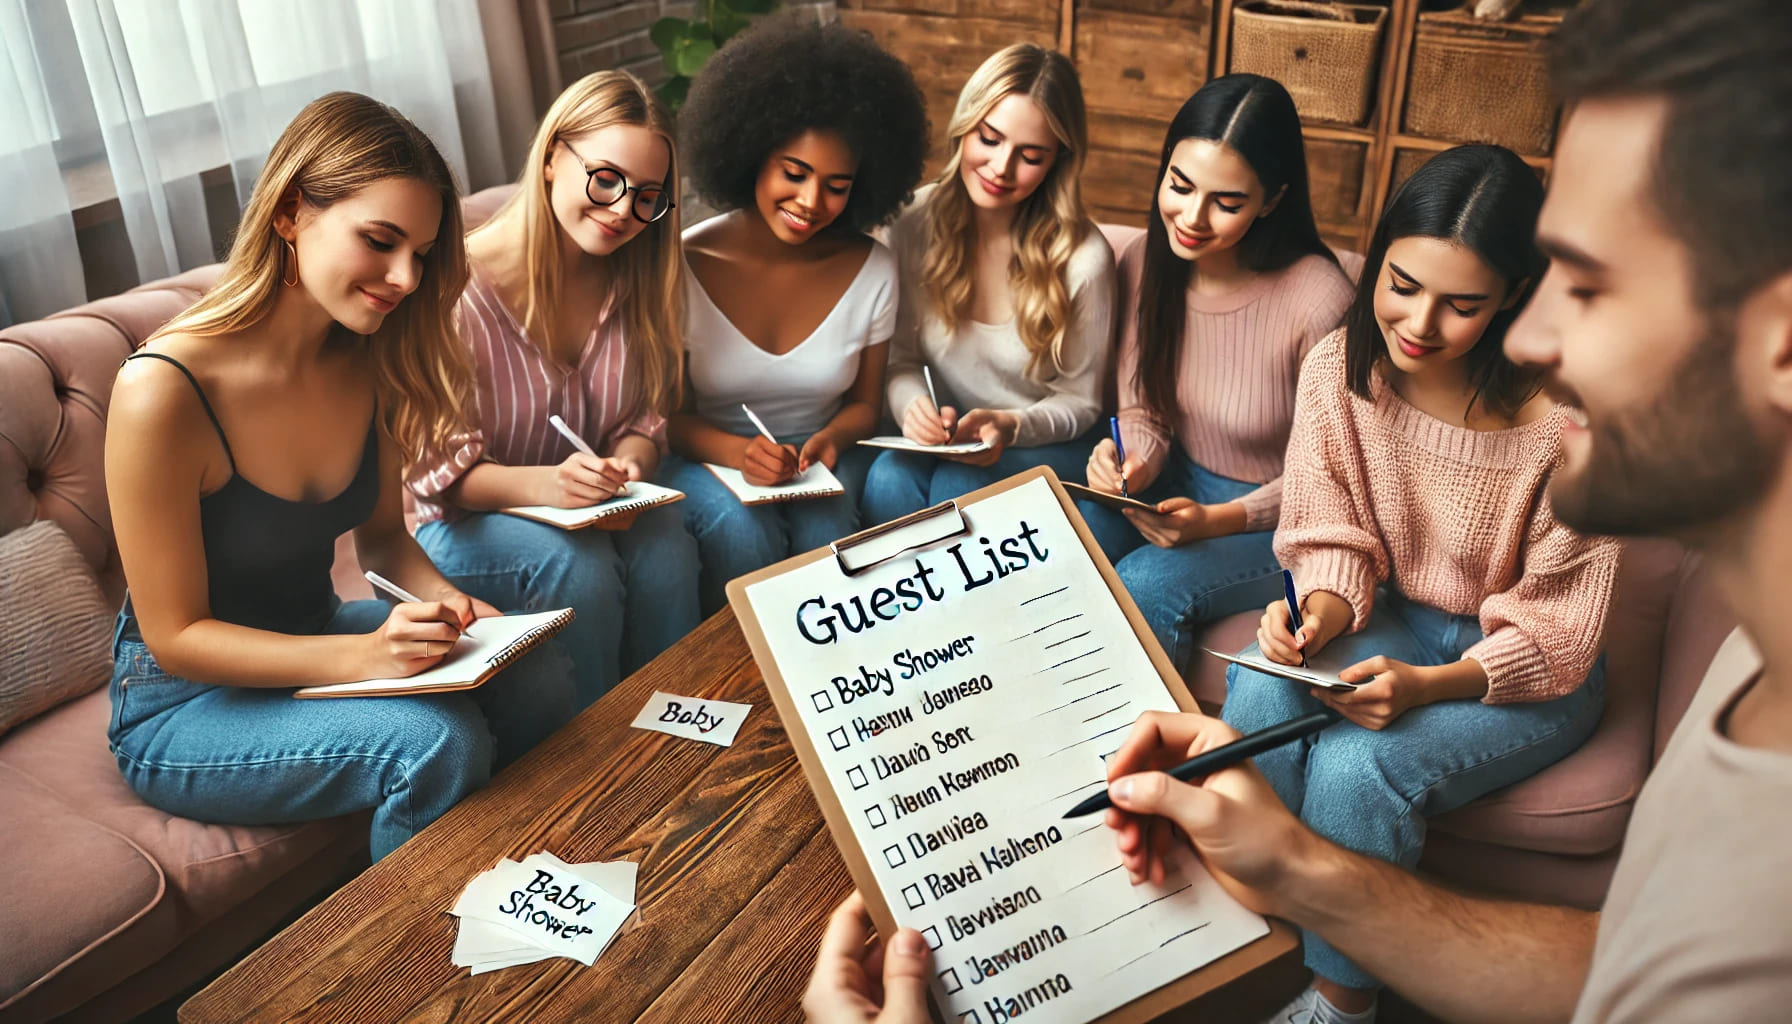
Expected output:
(806, 136)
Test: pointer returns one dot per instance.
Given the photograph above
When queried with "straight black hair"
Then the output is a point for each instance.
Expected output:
(1485, 199)
(1256, 117)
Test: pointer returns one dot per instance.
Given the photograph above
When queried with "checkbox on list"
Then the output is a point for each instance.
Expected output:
(856, 776)
(875, 815)
(969, 1017)
(838, 738)
(911, 895)
(823, 701)
(893, 854)
(949, 980)
(932, 934)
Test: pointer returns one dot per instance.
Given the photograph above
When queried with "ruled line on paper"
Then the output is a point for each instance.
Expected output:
(1059, 622)
(1045, 595)
(1067, 661)
(1076, 679)
(1067, 639)
(1084, 697)
(1179, 935)
(1093, 877)
(1108, 712)
(1079, 789)
(1091, 739)
(1138, 908)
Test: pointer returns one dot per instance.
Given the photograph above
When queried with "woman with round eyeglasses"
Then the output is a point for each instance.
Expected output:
(574, 309)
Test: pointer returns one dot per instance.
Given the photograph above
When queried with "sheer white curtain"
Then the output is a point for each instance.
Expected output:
(137, 99)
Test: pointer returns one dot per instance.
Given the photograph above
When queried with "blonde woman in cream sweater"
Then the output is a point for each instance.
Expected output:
(1007, 295)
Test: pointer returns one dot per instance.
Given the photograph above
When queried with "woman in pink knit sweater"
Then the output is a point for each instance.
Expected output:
(1415, 521)
(1222, 298)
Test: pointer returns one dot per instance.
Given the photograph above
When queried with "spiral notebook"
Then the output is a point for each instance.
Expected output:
(639, 495)
(474, 659)
(815, 482)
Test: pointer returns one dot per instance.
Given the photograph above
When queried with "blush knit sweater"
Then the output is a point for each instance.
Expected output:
(1379, 492)
(1240, 359)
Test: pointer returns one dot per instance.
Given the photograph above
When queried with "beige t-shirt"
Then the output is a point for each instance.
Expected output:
(1698, 923)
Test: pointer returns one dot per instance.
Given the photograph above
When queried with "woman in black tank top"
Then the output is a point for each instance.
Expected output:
(250, 433)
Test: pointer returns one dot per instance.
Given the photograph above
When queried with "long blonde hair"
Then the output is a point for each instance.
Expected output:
(338, 145)
(643, 280)
(1050, 223)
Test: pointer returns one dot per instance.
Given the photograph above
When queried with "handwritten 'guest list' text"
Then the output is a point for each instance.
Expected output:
(960, 698)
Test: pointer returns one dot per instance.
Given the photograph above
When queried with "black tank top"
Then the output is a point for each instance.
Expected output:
(268, 559)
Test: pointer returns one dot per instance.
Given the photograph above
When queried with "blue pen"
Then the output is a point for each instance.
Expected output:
(1119, 453)
(1293, 607)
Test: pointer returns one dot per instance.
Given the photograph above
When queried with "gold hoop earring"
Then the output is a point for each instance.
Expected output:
(293, 253)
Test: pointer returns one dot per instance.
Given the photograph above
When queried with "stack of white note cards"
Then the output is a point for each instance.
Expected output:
(521, 912)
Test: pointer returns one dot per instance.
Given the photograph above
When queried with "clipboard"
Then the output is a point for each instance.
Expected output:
(869, 548)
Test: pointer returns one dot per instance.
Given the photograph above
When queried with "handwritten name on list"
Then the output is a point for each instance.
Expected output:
(961, 697)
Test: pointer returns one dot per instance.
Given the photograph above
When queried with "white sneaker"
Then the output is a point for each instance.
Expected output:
(1312, 1008)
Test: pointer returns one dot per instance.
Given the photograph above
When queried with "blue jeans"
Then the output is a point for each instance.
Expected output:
(634, 591)
(901, 482)
(255, 756)
(1371, 791)
(736, 539)
(1181, 589)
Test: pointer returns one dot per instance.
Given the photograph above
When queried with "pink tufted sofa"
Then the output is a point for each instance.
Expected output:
(109, 905)
(1555, 837)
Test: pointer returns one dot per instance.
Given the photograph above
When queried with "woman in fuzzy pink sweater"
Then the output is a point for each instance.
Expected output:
(1423, 547)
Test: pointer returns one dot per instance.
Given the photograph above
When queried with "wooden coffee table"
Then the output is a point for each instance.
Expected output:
(738, 875)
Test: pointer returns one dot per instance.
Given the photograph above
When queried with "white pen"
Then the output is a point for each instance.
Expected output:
(399, 592)
(578, 442)
(932, 396)
(757, 422)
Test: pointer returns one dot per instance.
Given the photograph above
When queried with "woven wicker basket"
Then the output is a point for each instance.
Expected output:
(1324, 53)
(1460, 65)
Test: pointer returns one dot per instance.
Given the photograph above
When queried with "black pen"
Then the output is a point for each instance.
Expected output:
(1221, 758)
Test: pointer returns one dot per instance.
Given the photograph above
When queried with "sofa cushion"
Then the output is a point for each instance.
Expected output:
(82, 883)
(1206, 677)
(208, 869)
(53, 624)
(1581, 804)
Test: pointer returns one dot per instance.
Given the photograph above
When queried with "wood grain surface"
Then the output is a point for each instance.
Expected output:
(737, 877)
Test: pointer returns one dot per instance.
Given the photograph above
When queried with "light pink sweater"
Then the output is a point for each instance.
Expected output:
(1457, 519)
(1241, 356)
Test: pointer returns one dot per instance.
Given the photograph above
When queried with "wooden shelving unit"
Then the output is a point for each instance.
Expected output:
(1139, 59)
(1387, 149)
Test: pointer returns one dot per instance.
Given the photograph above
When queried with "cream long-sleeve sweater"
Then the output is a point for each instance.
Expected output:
(1379, 492)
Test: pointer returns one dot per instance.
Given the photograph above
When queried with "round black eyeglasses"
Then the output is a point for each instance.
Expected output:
(605, 184)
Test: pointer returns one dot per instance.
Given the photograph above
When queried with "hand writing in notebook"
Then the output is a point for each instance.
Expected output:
(418, 635)
(765, 463)
(583, 480)
(994, 427)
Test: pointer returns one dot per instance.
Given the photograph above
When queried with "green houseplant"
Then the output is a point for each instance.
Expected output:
(685, 45)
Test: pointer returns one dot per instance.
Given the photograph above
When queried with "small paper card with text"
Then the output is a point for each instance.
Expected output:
(549, 906)
(712, 721)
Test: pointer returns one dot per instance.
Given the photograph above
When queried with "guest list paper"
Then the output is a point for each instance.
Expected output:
(960, 698)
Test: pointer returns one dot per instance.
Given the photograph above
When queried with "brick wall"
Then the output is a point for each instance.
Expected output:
(591, 35)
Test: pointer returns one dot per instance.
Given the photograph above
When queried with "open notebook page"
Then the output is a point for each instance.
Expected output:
(815, 482)
(476, 657)
(640, 494)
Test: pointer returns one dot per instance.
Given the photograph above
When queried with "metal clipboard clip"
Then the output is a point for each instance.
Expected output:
(900, 536)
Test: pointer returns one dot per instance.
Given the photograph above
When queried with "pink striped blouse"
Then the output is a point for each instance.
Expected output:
(518, 386)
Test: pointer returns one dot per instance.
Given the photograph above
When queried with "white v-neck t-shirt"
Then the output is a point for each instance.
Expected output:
(796, 393)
